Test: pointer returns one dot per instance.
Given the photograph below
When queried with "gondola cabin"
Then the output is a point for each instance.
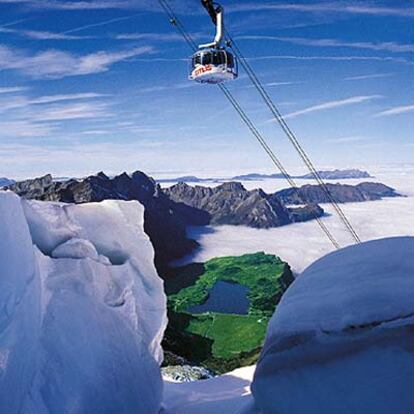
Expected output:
(213, 65)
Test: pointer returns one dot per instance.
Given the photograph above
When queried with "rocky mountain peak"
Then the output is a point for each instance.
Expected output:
(231, 186)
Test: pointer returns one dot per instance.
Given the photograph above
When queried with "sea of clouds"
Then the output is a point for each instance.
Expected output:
(301, 244)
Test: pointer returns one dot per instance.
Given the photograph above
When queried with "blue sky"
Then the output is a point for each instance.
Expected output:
(102, 85)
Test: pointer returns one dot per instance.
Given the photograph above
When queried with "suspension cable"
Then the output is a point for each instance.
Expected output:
(291, 136)
(262, 141)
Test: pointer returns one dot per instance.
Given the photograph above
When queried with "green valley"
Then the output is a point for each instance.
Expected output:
(218, 339)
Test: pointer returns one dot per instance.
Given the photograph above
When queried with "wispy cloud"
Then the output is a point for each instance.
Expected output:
(331, 7)
(42, 35)
(84, 4)
(370, 76)
(348, 139)
(161, 88)
(396, 111)
(276, 84)
(55, 64)
(13, 23)
(332, 105)
(96, 132)
(22, 101)
(12, 89)
(101, 23)
(87, 110)
(393, 47)
(32, 117)
(335, 58)
(150, 36)
(75, 5)
(25, 129)
(68, 97)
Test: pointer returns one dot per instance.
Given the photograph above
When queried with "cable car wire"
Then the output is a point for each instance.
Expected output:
(291, 136)
(249, 123)
(274, 159)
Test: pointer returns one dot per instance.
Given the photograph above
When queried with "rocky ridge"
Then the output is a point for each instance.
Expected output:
(342, 193)
(231, 203)
(165, 220)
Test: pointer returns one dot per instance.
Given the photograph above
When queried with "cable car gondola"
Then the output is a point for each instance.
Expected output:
(213, 63)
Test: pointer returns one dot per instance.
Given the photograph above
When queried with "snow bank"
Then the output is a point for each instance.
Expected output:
(342, 338)
(82, 309)
(227, 394)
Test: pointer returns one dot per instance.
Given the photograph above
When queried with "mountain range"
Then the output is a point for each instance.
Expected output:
(169, 211)
(231, 203)
(325, 175)
(341, 193)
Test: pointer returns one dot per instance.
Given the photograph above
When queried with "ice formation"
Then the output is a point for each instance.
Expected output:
(342, 338)
(82, 309)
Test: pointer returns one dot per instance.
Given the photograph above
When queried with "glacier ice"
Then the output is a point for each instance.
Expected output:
(82, 309)
(342, 338)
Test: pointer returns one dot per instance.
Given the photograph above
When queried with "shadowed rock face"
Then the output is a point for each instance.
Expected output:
(342, 193)
(165, 220)
(231, 203)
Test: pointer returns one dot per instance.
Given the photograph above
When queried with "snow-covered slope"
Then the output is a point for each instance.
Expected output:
(342, 338)
(82, 309)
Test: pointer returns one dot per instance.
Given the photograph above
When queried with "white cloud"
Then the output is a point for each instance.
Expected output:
(83, 4)
(332, 105)
(393, 47)
(150, 36)
(55, 64)
(25, 129)
(275, 84)
(42, 35)
(161, 88)
(96, 132)
(397, 110)
(331, 7)
(335, 58)
(74, 5)
(371, 76)
(101, 23)
(88, 110)
(347, 140)
(22, 101)
(12, 89)
(68, 97)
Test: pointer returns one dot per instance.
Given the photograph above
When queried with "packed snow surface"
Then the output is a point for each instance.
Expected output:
(342, 338)
(82, 309)
(227, 394)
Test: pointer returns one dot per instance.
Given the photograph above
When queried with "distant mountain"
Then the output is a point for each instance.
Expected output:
(169, 211)
(325, 175)
(185, 179)
(165, 220)
(230, 203)
(5, 181)
(256, 176)
(338, 174)
(342, 193)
